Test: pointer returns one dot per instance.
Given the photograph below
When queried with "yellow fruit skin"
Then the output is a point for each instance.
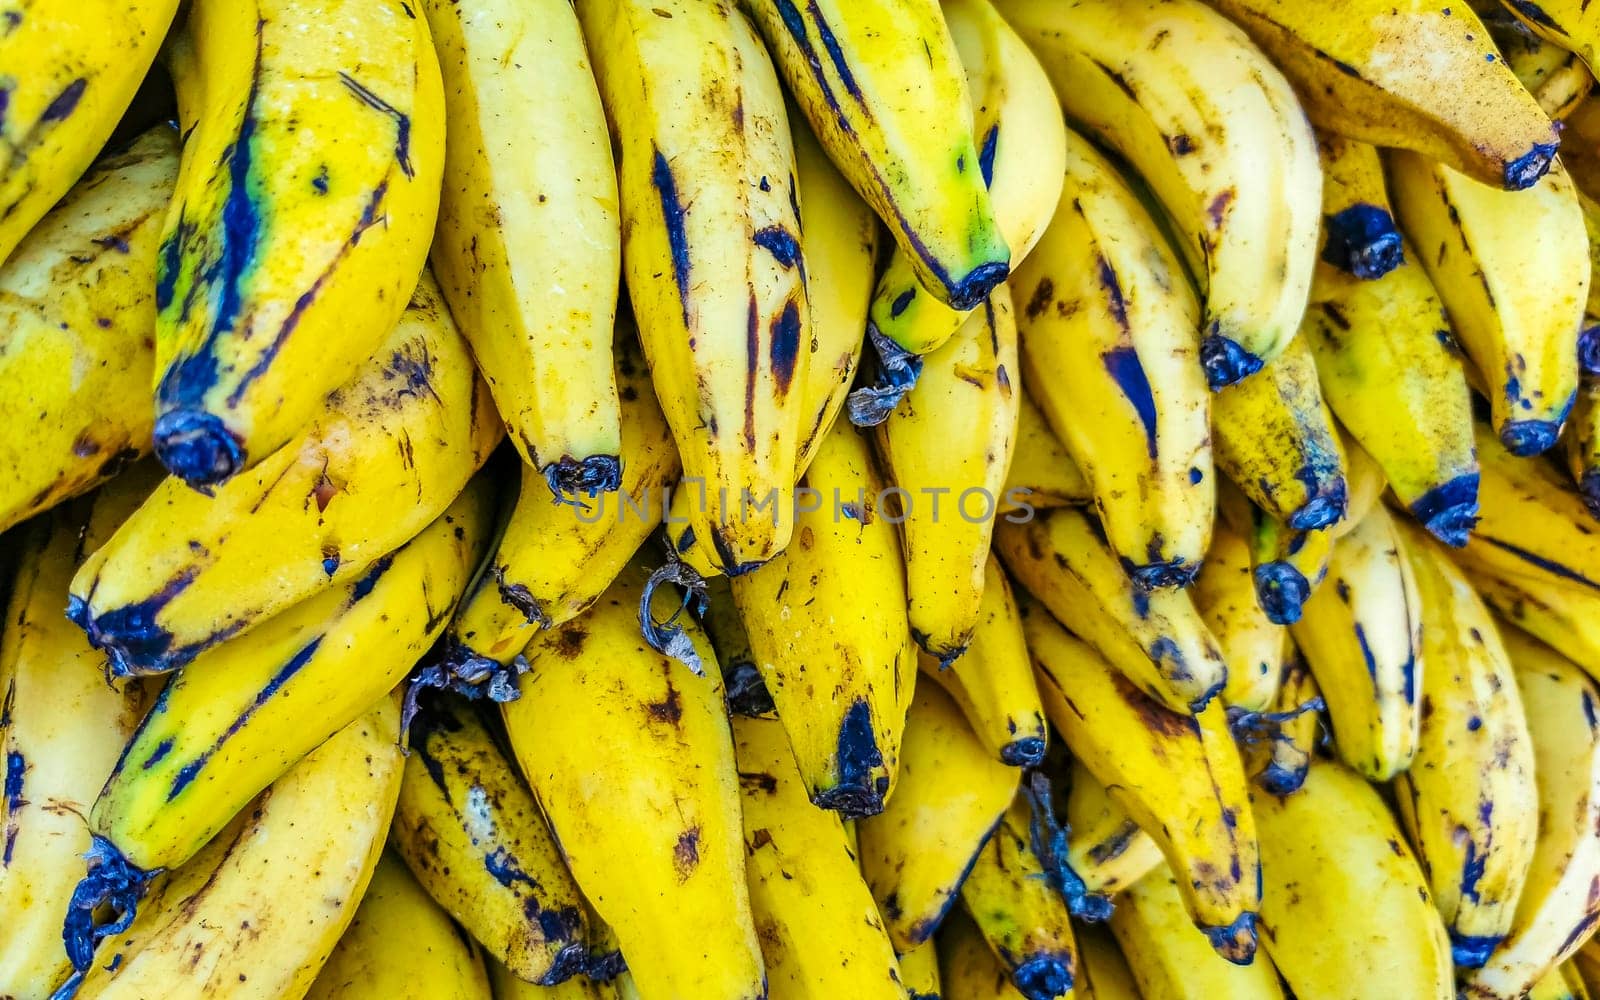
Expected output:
(286, 262)
(1252, 645)
(1043, 473)
(1104, 847)
(919, 971)
(1568, 23)
(1105, 970)
(968, 967)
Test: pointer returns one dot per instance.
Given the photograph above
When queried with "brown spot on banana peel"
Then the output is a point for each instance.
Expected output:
(686, 854)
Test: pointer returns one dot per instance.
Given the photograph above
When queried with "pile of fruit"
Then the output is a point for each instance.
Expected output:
(824, 499)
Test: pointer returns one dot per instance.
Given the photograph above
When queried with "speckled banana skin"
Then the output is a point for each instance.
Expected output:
(1557, 78)
(881, 83)
(70, 71)
(1278, 763)
(286, 262)
(968, 967)
(386, 454)
(77, 311)
(1253, 646)
(1571, 24)
(1104, 847)
(1218, 134)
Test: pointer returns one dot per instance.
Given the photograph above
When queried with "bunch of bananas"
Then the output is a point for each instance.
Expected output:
(719, 499)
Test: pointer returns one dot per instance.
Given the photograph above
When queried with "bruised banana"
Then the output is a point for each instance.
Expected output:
(1513, 272)
(1183, 95)
(386, 454)
(472, 835)
(1359, 233)
(529, 245)
(1108, 323)
(283, 269)
(1252, 645)
(1419, 74)
(707, 176)
(648, 816)
(882, 86)
(78, 311)
(1178, 776)
(1157, 639)
(952, 435)
(1043, 474)
(844, 568)
(71, 72)
(1104, 847)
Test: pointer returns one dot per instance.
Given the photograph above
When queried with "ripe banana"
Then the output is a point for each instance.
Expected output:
(1278, 755)
(1359, 234)
(77, 308)
(473, 837)
(1560, 902)
(1042, 475)
(1106, 975)
(950, 794)
(993, 680)
(529, 245)
(283, 268)
(968, 967)
(648, 816)
(1556, 77)
(1568, 23)
(1178, 776)
(1104, 847)
(1195, 119)
(1335, 864)
(1156, 639)
(401, 944)
(820, 931)
(1555, 986)
(706, 170)
(1420, 74)
(1362, 636)
(882, 86)
(1583, 444)
(1285, 565)
(1469, 800)
(919, 971)
(506, 986)
(1513, 272)
(386, 455)
(1108, 324)
(1252, 646)
(843, 568)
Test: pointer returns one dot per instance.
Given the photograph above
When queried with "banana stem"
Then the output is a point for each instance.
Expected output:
(898, 371)
(667, 637)
(1049, 837)
(112, 881)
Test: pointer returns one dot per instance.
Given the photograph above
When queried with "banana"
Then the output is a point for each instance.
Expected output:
(71, 73)
(1586, 965)
(1574, 981)
(1021, 154)
(257, 913)
(711, 252)
(1170, 959)
(1195, 124)
(386, 455)
(1568, 23)
(1556, 77)
(1106, 975)
(473, 837)
(77, 311)
(1336, 867)
(1560, 902)
(968, 967)
(1513, 272)
(1043, 474)
(648, 816)
(821, 935)
(1285, 565)
(1362, 636)
(529, 244)
(1421, 75)
(62, 727)
(1156, 639)
(1108, 324)
(882, 86)
(554, 560)
(919, 971)
(1359, 234)
(1583, 444)
(282, 268)
(1367, 484)
(1469, 800)
(951, 793)
(993, 680)
(1104, 847)
(1009, 896)
(506, 986)
(1278, 755)
(843, 569)
(401, 944)
(1178, 776)
(1252, 645)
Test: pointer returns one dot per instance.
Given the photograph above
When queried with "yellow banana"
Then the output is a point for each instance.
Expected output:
(711, 252)
(282, 267)
(950, 794)
(882, 86)
(1359, 234)
(506, 986)
(529, 245)
(821, 935)
(1196, 121)
(1104, 847)
(77, 311)
(1469, 800)
(968, 967)
(1280, 750)
(919, 971)
(1043, 474)
(1178, 776)
(1156, 639)
(1286, 565)
(1556, 77)
(1335, 865)
(1568, 23)
(648, 816)
(387, 453)
(1106, 975)
(1108, 325)
(1252, 645)
(1583, 444)
(1513, 272)
(400, 944)
(1553, 986)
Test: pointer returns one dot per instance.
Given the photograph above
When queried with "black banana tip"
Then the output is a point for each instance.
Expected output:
(112, 886)
(1526, 438)
(1201, 703)
(862, 784)
(134, 644)
(1172, 573)
(1282, 591)
(1043, 978)
(1326, 508)
(1471, 952)
(1225, 362)
(605, 966)
(570, 477)
(969, 293)
(1363, 241)
(1589, 489)
(852, 801)
(568, 962)
(1276, 779)
(1589, 350)
(747, 690)
(946, 655)
(1237, 941)
(1525, 170)
(1026, 752)
(197, 448)
(1450, 509)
